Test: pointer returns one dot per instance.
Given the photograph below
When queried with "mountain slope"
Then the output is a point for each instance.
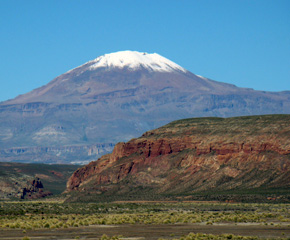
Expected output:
(16, 179)
(113, 98)
(194, 155)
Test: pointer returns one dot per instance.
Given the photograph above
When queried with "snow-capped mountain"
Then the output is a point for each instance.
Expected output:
(113, 98)
(120, 71)
(135, 60)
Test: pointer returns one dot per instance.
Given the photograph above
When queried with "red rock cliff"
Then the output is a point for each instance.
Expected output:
(194, 155)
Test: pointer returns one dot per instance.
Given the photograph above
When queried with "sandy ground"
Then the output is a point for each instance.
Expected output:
(146, 232)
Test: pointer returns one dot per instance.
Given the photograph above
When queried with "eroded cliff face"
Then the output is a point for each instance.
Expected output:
(193, 155)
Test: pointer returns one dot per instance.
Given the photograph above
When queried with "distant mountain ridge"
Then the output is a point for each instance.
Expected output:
(116, 97)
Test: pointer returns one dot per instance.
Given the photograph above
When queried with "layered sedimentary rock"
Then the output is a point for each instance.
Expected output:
(195, 155)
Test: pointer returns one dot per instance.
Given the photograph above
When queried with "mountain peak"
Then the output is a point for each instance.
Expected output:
(135, 60)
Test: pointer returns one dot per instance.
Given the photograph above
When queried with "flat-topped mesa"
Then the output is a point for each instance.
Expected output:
(135, 60)
(193, 155)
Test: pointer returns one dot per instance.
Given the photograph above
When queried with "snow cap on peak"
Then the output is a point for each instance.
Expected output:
(134, 60)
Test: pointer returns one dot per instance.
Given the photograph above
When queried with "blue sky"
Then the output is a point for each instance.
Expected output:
(243, 42)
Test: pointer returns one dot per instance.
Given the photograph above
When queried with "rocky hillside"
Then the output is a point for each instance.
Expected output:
(20, 180)
(195, 155)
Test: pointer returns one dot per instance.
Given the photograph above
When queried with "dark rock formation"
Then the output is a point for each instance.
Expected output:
(34, 190)
(19, 179)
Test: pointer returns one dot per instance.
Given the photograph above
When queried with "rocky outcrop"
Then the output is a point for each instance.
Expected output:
(23, 180)
(34, 190)
(195, 155)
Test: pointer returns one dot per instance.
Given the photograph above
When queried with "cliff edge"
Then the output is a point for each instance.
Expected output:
(194, 155)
